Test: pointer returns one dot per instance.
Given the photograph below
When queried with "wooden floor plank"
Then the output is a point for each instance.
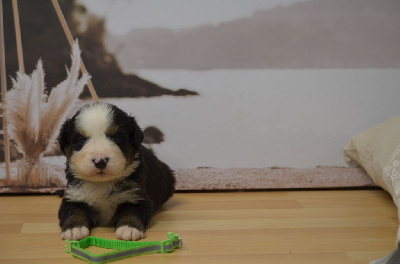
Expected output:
(331, 226)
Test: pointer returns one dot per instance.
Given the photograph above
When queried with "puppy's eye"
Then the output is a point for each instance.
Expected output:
(79, 142)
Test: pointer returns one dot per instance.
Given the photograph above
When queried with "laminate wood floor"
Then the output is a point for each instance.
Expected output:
(328, 226)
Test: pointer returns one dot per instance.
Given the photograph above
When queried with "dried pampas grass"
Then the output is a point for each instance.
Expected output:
(35, 118)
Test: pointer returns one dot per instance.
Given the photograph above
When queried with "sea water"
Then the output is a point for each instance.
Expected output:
(263, 118)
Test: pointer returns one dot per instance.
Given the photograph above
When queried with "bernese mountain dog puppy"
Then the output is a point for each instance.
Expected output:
(112, 178)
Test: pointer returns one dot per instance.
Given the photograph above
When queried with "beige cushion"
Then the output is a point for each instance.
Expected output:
(377, 150)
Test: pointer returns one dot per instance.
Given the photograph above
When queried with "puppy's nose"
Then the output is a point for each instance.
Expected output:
(100, 163)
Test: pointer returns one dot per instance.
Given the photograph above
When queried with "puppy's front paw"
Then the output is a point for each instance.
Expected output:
(75, 233)
(128, 233)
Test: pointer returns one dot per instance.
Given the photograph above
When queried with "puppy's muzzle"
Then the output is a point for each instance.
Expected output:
(100, 163)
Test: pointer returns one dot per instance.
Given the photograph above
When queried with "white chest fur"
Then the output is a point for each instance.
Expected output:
(104, 197)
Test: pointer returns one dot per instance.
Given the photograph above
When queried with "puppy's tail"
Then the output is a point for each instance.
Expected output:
(152, 135)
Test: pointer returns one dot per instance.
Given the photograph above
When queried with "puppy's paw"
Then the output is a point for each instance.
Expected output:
(75, 233)
(128, 233)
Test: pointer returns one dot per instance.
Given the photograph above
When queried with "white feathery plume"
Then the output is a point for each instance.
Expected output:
(34, 118)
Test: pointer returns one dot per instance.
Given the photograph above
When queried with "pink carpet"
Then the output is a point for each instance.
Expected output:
(271, 178)
(213, 179)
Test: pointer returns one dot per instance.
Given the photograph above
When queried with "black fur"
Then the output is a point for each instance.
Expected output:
(155, 179)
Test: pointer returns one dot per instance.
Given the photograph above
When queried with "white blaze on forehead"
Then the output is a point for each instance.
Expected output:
(94, 119)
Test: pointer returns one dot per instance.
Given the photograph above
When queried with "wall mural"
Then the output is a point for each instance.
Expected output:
(222, 84)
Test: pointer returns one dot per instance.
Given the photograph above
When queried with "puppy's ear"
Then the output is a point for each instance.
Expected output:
(137, 134)
(65, 136)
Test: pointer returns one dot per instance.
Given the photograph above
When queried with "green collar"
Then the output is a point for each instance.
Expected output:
(124, 249)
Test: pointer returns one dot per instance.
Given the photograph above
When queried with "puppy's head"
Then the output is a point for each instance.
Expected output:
(101, 143)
